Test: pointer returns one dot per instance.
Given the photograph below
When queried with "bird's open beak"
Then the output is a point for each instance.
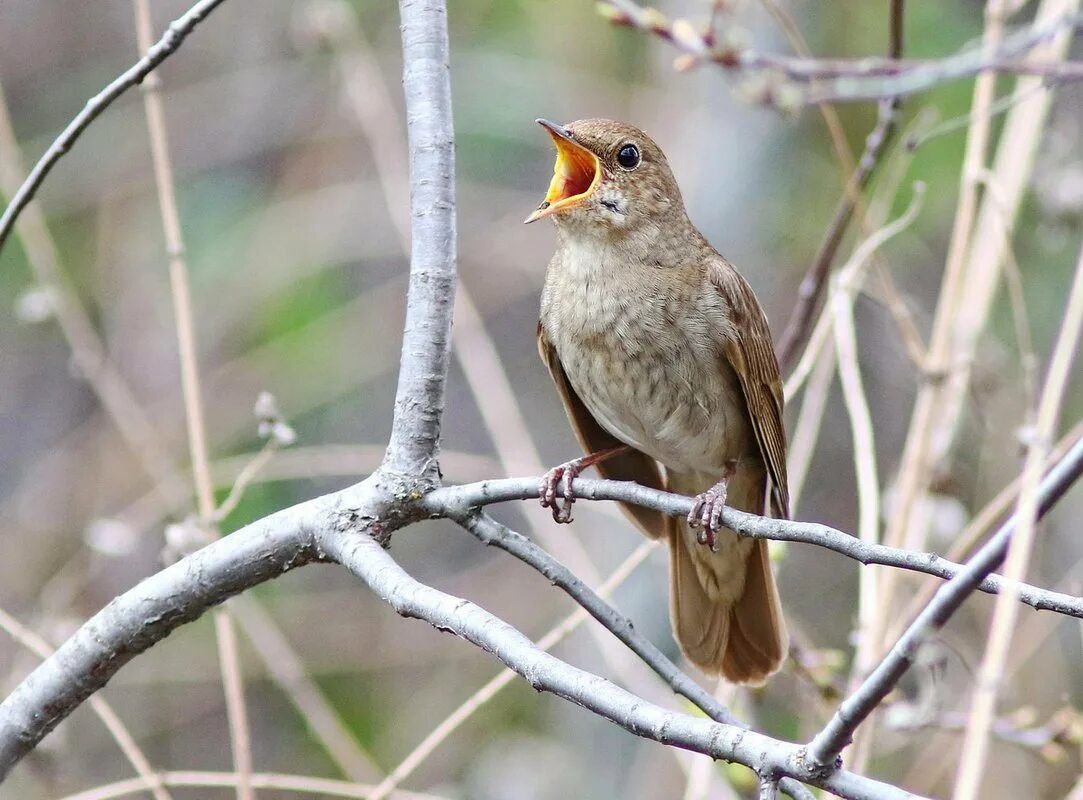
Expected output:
(575, 173)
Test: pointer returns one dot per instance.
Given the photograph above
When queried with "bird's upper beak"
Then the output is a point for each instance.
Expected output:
(575, 173)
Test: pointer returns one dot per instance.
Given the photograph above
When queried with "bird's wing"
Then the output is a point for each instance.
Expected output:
(746, 343)
(632, 466)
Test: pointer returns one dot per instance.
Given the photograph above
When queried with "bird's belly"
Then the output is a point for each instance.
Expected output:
(661, 400)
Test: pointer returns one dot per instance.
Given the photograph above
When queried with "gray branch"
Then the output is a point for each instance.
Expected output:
(457, 500)
(147, 613)
(171, 40)
(345, 527)
(351, 526)
(838, 732)
(849, 80)
(419, 399)
(491, 532)
(363, 556)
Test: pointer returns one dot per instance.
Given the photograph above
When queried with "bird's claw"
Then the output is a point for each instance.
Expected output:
(568, 472)
(706, 515)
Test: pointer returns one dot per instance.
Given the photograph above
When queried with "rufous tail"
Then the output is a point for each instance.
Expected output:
(725, 607)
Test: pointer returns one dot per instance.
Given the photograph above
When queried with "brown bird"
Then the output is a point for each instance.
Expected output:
(662, 355)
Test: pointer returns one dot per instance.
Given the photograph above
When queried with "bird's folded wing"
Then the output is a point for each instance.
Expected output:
(746, 344)
(632, 466)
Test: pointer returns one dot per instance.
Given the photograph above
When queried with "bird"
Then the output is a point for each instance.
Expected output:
(663, 358)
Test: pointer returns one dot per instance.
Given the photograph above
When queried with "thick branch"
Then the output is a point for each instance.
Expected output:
(174, 36)
(457, 500)
(824, 749)
(419, 399)
(150, 611)
(363, 556)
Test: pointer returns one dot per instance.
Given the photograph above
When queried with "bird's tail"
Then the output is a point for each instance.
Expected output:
(724, 605)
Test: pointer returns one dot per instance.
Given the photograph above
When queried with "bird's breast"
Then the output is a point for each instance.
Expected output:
(642, 357)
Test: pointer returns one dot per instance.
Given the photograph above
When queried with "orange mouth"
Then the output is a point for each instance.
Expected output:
(575, 173)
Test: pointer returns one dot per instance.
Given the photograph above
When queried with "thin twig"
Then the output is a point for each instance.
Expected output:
(247, 474)
(491, 532)
(88, 352)
(456, 718)
(812, 285)
(1002, 626)
(967, 289)
(849, 80)
(236, 713)
(458, 500)
(363, 556)
(847, 283)
(827, 744)
(174, 36)
(806, 431)
(983, 522)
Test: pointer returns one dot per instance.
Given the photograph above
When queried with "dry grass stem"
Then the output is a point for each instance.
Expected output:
(232, 681)
(1005, 614)
(228, 780)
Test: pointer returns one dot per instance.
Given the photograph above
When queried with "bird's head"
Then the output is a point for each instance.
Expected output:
(609, 177)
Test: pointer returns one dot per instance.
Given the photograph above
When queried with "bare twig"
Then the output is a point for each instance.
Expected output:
(491, 532)
(363, 556)
(87, 349)
(983, 522)
(826, 746)
(340, 527)
(1002, 627)
(449, 724)
(812, 286)
(458, 500)
(848, 80)
(178, 594)
(174, 36)
(247, 474)
(967, 289)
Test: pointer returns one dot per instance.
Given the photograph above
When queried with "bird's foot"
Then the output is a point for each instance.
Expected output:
(568, 472)
(706, 515)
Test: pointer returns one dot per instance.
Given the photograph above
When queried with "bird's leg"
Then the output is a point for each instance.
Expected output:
(706, 513)
(569, 471)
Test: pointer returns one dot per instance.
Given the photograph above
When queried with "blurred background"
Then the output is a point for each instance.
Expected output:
(287, 138)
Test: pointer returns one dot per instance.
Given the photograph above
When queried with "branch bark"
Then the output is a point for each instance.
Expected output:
(457, 501)
(426, 346)
(363, 556)
(827, 745)
(181, 593)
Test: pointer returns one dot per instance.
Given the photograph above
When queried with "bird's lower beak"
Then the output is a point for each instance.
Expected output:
(575, 173)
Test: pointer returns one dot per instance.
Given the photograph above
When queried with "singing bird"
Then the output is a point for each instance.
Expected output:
(662, 355)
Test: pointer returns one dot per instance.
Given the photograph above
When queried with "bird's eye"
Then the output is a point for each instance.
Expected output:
(628, 156)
